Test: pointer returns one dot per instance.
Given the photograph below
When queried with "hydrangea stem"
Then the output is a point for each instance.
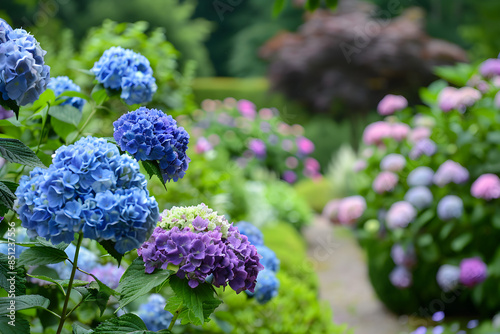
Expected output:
(176, 315)
(70, 284)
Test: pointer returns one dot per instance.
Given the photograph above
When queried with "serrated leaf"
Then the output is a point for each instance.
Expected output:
(136, 283)
(14, 150)
(278, 7)
(23, 303)
(6, 196)
(66, 113)
(22, 326)
(12, 273)
(109, 246)
(153, 169)
(41, 255)
(77, 329)
(126, 324)
(11, 185)
(44, 243)
(197, 303)
(93, 293)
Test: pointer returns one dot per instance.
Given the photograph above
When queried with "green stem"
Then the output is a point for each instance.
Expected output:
(94, 110)
(176, 315)
(70, 284)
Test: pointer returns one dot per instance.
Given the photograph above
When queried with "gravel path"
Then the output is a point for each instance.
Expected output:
(344, 282)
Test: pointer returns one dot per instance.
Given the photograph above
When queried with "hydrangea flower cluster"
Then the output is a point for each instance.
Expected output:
(89, 188)
(460, 99)
(153, 313)
(23, 74)
(267, 283)
(393, 162)
(487, 186)
(450, 207)
(400, 215)
(448, 277)
(472, 271)
(401, 277)
(423, 147)
(200, 246)
(450, 171)
(404, 258)
(385, 182)
(63, 84)
(420, 197)
(109, 273)
(420, 176)
(391, 103)
(128, 71)
(345, 211)
(150, 134)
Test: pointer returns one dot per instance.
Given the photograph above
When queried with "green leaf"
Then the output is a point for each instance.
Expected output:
(278, 7)
(99, 94)
(14, 150)
(96, 292)
(11, 272)
(493, 137)
(74, 94)
(459, 243)
(22, 303)
(457, 74)
(312, 5)
(110, 140)
(41, 255)
(61, 128)
(10, 105)
(136, 283)
(109, 246)
(153, 169)
(77, 329)
(6, 196)
(66, 113)
(44, 243)
(22, 326)
(332, 4)
(11, 185)
(197, 303)
(126, 324)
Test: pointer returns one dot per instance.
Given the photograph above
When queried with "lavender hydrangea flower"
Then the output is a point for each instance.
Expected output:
(266, 288)
(490, 68)
(448, 277)
(258, 147)
(23, 74)
(150, 134)
(269, 259)
(153, 313)
(393, 162)
(110, 274)
(401, 278)
(420, 176)
(128, 71)
(420, 197)
(472, 271)
(202, 246)
(400, 215)
(450, 171)
(89, 188)
(450, 207)
(404, 257)
(63, 84)
(423, 147)
(253, 234)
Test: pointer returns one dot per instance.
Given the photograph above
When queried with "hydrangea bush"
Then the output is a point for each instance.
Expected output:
(428, 213)
(255, 138)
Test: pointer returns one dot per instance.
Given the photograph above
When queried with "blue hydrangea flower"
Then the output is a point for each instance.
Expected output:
(253, 234)
(23, 74)
(420, 176)
(89, 188)
(153, 313)
(20, 236)
(63, 84)
(266, 288)
(421, 197)
(450, 207)
(269, 259)
(150, 134)
(448, 277)
(128, 71)
(109, 273)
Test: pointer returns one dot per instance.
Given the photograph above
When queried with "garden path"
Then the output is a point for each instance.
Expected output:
(344, 283)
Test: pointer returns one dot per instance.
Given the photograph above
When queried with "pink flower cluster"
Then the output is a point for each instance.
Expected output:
(385, 182)
(487, 186)
(345, 211)
(400, 215)
(450, 171)
(490, 68)
(391, 103)
(375, 133)
(458, 98)
(304, 146)
(247, 109)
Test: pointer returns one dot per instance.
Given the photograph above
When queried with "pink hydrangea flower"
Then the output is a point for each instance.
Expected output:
(487, 186)
(393, 162)
(450, 171)
(266, 113)
(291, 162)
(311, 168)
(399, 131)
(247, 109)
(385, 182)
(390, 104)
(351, 209)
(202, 145)
(457, 98)
(359, 165)
(419, 133)
(400, 215)
(375, 133)
(331, 210)
(258, 147)
(304, 146)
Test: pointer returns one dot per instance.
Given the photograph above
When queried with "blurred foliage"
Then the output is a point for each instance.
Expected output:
(296, 309)
(315, 192)
(469, 135)
(174, 16)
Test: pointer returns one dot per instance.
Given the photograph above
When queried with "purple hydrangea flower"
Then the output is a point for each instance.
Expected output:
(150, 134)
(128, 71)
(391, 103)
(258, 147)
(200, 249)
(404, 257)
(420, 176)
(420, 197)
(253, 234)
(423, 147)
(4, 113)
(23, 74)
(450, 171)
(438, 316)
(472, 271)
(289, 176)
(448, 277)
(401, 278)
(450, 207)
(153, 313)
(110, 274)
(63, 84)
(400, 215)
(393, 162)
(490, 68)
(89, 188)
